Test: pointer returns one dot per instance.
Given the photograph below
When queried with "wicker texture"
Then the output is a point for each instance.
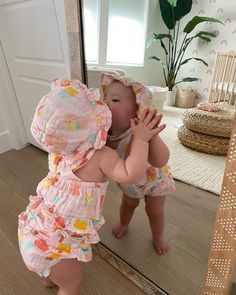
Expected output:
(222, 256)
(218, 123)
(202, 142)
(75, 40)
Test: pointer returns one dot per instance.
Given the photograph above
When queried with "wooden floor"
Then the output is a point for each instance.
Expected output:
(190, 217)
(20, 171)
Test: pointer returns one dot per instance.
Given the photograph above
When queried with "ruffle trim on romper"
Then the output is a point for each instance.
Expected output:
(44, 233)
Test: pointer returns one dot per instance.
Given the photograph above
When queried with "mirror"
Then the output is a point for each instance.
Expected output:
(26, 70)
(191, 209)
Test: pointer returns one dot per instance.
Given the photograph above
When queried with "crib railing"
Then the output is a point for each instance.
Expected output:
(223, 86)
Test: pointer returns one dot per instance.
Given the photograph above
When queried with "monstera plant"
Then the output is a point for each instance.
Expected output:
(172, 12)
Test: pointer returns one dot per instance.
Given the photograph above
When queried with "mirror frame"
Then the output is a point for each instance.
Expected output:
(74, 28)
(222, 257)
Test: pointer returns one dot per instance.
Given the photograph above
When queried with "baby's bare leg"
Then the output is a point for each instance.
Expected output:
(67, 275)
(155, 211)
(127, 208)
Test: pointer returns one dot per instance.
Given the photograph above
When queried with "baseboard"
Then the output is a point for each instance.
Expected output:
(5, 142)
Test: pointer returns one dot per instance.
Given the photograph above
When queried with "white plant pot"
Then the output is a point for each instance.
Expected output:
(170, 98)
(158, 97)
(185, 98)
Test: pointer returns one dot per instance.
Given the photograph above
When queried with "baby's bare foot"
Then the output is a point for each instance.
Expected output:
(48, 283)
(160, 246)
(119, 230)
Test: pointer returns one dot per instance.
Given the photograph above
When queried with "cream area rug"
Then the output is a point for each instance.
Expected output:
(201, 170)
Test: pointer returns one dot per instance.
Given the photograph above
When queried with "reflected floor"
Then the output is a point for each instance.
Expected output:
(190, 216)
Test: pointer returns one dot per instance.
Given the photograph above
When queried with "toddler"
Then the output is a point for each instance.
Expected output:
(126, 98)
(61, 222)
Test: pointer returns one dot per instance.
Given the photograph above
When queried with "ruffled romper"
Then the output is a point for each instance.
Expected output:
(157, 182)
(61, 221)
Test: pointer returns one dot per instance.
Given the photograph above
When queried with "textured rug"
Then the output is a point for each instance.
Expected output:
(198, 169)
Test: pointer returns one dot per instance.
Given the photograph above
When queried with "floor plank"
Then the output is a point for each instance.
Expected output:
(190, 217)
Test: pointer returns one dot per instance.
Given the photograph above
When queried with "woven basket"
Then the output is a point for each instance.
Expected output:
(218, 123)
(202, 142)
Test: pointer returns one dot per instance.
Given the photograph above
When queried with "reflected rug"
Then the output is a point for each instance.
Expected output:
(201, 170)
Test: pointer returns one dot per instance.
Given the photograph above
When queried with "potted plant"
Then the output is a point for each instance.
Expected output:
(172, 12)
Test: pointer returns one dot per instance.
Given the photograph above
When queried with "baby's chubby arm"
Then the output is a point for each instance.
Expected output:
(133, 169)
(158, 154)
(130, 170)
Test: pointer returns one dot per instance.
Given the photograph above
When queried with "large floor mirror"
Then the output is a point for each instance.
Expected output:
(114, 31)
(111, 36)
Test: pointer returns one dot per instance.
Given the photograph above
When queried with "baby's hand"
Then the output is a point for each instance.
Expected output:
(147, 126)
(159, 116)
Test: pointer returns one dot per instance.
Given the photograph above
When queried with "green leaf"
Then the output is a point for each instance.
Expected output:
(196, 58)
(154, 57)
(172, 11)
(163, 36)
(151, 41)
(163, 46)
(205, 33)
(158, 37)
(202, 34)
(182, 8)
(205, 38)
(158, 59)
(197, 20)
(167, 13)
(172, 2)
(189, 79)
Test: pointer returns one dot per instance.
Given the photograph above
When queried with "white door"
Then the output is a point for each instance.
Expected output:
(33, 37)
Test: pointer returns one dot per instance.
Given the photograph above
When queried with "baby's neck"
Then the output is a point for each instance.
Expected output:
(118, 134)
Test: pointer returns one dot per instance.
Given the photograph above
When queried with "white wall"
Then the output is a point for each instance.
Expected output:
(152, 74)
(224, 10)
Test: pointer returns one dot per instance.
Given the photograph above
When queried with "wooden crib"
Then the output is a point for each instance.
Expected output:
(223, 86)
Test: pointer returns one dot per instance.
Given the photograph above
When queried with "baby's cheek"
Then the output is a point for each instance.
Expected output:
(118, 113)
